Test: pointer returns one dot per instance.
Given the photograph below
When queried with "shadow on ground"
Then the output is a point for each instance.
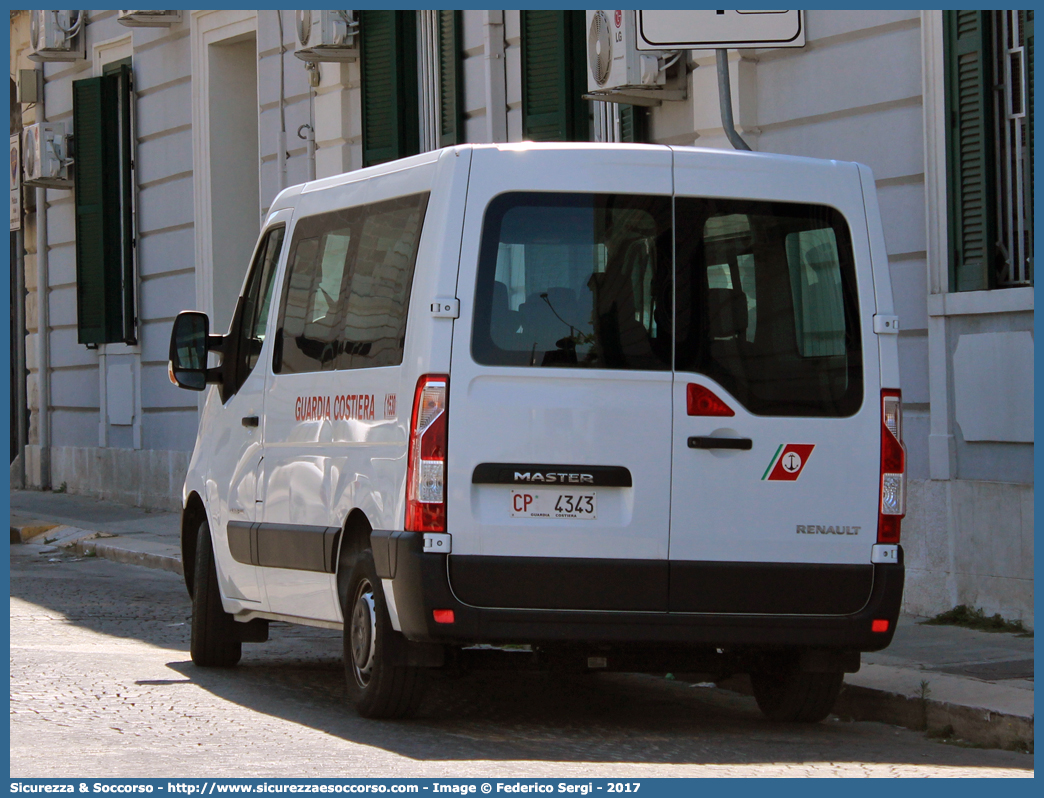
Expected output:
(496, 716)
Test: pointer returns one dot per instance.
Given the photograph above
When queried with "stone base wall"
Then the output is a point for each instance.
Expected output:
(969, 542)
(140, 477)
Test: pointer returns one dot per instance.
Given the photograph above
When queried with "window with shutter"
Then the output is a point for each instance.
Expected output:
(989, 102)
(969, 142)
(633, 124)
(553, 76)
(103, 201)
(451, 80)
(388, 56)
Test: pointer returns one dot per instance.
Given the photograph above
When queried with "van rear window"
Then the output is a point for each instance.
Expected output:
(348, 284)
(767, 305)
(574, 281)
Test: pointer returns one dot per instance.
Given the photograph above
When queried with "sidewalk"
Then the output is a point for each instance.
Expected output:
(955, 683)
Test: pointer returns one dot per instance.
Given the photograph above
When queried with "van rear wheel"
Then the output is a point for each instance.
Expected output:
(214, 642)
(378, 684)
(785, 693)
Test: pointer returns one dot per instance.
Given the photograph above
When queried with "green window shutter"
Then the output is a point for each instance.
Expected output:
(633, 124)
(104, 256)
(553, 76)
(969, 149)
(388, 54)
(451, 80)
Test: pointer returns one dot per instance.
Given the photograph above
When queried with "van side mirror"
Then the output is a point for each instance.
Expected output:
(190, 341)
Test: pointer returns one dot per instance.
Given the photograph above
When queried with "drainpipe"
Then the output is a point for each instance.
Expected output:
(725, 98)
(19, 353)
(43, 318)
(309, 139)
(281, 135)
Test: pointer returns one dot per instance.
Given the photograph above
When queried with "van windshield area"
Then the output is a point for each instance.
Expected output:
(766, 305)
(575, 281)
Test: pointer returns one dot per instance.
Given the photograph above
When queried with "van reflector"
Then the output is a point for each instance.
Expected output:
(426, 461)
(876, 625)
(703, 402)
(892, 506)
(446, 616)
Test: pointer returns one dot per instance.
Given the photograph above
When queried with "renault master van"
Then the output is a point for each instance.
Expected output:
(567, 406)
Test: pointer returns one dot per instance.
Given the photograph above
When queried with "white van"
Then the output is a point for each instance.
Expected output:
(591, 407)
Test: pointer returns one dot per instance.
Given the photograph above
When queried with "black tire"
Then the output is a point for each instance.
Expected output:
(215, 643)
(376, 686)
(786, 694)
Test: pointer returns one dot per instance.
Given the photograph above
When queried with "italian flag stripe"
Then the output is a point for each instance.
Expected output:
(772, 462)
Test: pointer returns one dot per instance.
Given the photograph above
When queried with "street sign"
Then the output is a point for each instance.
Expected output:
(696, 30)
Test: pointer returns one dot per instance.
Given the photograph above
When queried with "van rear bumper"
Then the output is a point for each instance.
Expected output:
(421, 585)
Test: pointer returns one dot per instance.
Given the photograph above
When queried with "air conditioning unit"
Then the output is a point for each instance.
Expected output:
(618, 72)
(327, 36)
(57, 35)
(149, 18)
(45, 156)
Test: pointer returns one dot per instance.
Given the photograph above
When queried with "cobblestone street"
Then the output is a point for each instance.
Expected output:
(102, 685)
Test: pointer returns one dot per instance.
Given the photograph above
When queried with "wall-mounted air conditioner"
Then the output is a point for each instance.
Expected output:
(149, 18)
(45, 159)
(618, 72)
(327, 36)
(57, 35)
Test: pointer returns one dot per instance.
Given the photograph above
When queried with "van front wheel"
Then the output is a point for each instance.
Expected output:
(214, 643)
(788, 694)
(379, 684)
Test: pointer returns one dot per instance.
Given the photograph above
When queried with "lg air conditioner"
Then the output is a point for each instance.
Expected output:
(45, 160)
(327, 36)
(149, 18)
(618, 72)
(57, 35)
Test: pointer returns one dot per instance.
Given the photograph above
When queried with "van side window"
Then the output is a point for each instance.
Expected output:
(249, 321)
(259, 295)
(348, 287)
(767, 306)
(574, 281)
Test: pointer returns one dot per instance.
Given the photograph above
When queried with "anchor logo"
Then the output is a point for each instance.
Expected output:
(788, 462)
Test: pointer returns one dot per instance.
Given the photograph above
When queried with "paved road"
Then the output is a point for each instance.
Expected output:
(102, 685)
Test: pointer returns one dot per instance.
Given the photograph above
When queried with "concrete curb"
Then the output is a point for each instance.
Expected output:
(145, 550)
(974, 724)
(23, 530)
(993, 726)
(134, 551)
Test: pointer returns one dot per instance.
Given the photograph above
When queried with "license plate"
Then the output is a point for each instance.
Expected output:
(553, 504)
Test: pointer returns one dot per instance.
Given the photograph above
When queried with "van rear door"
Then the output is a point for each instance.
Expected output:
(560, 391)
(776, 408)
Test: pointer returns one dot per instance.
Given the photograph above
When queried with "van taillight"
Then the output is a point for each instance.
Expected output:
(893, 468)
(426, 466)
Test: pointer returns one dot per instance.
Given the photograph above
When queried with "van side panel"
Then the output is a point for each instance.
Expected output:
(338, 437)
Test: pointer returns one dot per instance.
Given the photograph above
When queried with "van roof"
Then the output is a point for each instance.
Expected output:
(740, 160)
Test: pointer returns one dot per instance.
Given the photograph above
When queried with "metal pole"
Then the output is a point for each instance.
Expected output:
(725, 98)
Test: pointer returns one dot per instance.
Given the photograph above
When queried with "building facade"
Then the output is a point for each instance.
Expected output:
(185, 132)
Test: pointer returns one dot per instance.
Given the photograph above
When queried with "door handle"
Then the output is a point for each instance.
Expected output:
(743, 444)
(250, 421)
